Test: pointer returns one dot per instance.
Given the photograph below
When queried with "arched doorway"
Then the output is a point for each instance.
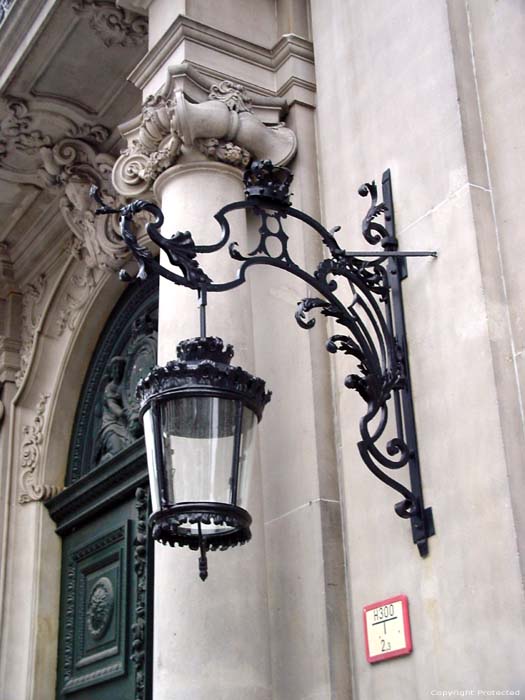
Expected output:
(107, 556)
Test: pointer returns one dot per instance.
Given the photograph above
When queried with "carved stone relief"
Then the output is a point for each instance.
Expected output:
(131, 333)
(223, 128)
(113, 434)
(51, 151)
(17, 131)
(113, 25)
(119, 419)
(30, 454)
(33, 295)
(24, 130)
(224, 152)
(234, 96)
(72, 166)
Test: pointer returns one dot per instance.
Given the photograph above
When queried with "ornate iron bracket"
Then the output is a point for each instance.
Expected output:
(374, 326)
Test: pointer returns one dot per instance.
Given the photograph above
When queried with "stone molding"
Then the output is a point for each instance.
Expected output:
(286, 69)
(30, 455)
(115, 26)
(223, 128)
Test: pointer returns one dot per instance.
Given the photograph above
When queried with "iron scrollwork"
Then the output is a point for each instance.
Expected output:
(373, 321)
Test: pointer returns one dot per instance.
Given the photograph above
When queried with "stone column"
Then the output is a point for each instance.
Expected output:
(190, 193)
(212, 638)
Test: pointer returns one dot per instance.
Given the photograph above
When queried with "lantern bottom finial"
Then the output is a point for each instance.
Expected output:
(202, 526)
(203, 561)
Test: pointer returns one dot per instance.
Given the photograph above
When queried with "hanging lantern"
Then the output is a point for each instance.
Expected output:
(200, 416)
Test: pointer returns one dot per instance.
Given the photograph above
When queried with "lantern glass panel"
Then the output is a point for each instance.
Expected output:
(205, 444)
(249, 423)
(149, 438)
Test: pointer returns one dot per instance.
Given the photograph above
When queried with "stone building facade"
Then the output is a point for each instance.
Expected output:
(169, 100)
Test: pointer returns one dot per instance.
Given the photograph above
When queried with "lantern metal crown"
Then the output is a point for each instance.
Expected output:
(199, 412)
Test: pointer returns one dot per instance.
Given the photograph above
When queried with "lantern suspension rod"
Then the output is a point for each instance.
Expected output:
(203, 300)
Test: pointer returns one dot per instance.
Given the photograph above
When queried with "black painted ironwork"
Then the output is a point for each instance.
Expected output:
(373, 322)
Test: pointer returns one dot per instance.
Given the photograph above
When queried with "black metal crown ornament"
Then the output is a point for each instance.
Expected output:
(266, 180)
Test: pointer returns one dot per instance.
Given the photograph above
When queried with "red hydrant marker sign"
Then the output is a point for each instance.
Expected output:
(387, 629)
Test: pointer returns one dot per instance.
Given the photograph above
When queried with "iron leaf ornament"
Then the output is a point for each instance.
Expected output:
(372, 323)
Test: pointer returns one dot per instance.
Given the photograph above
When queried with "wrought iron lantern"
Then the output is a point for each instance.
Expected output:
(199, 416)
(198, 421)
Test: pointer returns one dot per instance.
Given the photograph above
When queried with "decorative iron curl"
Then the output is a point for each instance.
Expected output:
(180, 248)
(369, 224)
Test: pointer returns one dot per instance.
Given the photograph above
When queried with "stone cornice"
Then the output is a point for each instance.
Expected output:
(269, 64)
(190, 29)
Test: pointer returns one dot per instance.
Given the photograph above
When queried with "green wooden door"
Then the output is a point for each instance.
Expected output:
(107, 555)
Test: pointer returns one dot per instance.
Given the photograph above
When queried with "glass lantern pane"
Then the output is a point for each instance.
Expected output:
(249, 423)
(198, 441)
(152, 461)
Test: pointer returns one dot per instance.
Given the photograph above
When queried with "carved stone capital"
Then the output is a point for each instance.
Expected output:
(72, 166)
(223, 128)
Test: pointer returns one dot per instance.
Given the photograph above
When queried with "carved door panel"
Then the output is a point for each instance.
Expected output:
(107, 555)
(105, 606)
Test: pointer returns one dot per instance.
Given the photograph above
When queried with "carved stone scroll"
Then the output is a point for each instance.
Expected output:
(113, 25)
(30, 454)
(17, 131)
(72, 166)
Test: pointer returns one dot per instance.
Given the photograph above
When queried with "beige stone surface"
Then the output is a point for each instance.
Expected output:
(400, 110)
(214, 626)
(309, 646)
